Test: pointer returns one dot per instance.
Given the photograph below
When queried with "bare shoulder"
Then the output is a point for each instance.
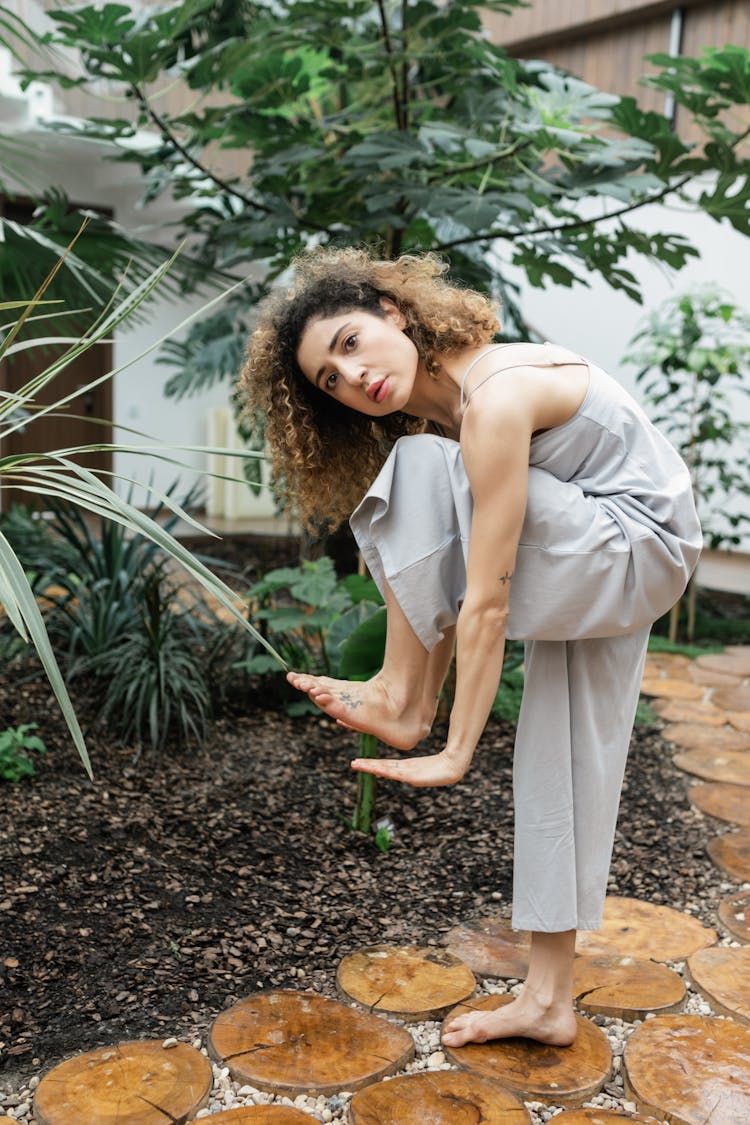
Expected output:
(542, 383)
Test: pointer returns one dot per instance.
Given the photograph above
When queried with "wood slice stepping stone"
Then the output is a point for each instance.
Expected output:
(631, 928)
(731, 853)
(668, 688)
(667, 664)
(625, 987)
(740, 720)
(261, 1115)
(141, 1083)
(732, 698)
(696, 736)
(298, 1043)
(413, 982)
(446, 1097)
(689, 711)
(691, 1070)
(709, 678)
(731, 766)
(601, 1117)
(722, 975)
(491, 948)
(734, 662)
(734, 915)
(726, 802)
(535, 1071)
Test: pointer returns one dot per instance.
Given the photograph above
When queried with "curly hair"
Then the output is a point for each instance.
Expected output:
(326, 455)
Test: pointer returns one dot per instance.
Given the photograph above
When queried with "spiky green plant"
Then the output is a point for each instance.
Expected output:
(58, 475)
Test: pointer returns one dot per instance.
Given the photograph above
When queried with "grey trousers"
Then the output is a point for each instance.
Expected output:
(589, 581)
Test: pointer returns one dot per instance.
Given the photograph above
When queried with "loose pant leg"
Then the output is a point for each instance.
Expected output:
(588, 583)
(571, 746)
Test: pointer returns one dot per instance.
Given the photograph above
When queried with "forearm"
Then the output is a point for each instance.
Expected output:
(480, 646)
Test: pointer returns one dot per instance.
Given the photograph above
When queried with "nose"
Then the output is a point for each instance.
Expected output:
(353, 371)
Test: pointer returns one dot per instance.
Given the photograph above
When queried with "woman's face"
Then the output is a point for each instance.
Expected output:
(363, 360)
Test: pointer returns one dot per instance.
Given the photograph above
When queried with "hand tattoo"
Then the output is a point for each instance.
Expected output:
(505, 577)
(350, 700)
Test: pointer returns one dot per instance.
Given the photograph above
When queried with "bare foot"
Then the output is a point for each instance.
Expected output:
(371, 707)
(526, 1017)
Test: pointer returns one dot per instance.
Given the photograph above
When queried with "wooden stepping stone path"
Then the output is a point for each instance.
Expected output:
(690, 711)
(535, 1071)
(708, 678)
(666, 664)
(260, 1115)
(491, 948)
(733, 662)
(601, 1117)
(626, 988)
(696, 736)
(722, 975)
(446, 1097)
(141, 1083)
(733, 698)
(409, 981)
(740, 720)
(723, 765)
(668, 688)
(725, 802)
(731, 853)
(299, 1043)
(631, 928)
(691, 1070)
(734, 915)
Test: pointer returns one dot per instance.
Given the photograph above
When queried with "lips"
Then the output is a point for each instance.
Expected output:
(377, 391)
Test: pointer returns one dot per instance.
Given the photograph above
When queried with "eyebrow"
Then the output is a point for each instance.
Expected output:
(331, 349)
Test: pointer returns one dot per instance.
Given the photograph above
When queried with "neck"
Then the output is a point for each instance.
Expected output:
(438, 398)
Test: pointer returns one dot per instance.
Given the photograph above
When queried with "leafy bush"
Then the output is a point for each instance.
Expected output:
(14, 763)
(154, 652)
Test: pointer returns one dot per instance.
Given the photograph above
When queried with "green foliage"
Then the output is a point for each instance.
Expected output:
(14, 743)
(397, 125)
(309, 615)
(152, 654)
(510, 689)
(693, 355)
(56, 475)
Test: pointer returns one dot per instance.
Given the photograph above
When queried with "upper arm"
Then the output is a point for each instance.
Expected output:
(495, 440)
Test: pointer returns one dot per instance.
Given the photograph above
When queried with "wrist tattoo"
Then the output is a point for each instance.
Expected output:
(505, 577)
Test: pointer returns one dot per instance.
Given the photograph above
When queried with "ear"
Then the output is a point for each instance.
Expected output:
(393, 312)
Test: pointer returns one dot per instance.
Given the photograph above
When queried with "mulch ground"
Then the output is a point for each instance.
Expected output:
(144, 903)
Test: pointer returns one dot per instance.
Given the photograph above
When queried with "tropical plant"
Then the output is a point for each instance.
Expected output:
(390, 123)
(58, 476)
(693, 355)
(15, 743)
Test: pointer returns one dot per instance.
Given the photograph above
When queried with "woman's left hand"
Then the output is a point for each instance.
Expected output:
(444, 768)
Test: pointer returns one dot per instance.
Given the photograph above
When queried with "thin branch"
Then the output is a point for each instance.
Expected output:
(580, 223)
(577, 225)
(172, 140)
(397, 106)
(486, 162)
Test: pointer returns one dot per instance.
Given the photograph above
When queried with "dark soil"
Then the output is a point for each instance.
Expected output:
(142, 904)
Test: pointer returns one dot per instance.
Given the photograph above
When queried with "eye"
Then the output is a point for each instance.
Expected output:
(331, 380)
(350, 342)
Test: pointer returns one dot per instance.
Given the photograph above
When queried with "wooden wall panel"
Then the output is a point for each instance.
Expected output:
(546, 18)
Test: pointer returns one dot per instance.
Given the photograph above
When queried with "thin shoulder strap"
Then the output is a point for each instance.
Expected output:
(570, 359)
(472, 365)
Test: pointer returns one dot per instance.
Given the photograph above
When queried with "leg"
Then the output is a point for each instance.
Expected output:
(543, 1009)
(571, 747)
(398, 704)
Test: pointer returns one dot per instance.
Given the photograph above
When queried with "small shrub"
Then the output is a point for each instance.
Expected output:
(14, 762)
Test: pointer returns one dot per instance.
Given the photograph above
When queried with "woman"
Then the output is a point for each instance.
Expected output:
(526, 496)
